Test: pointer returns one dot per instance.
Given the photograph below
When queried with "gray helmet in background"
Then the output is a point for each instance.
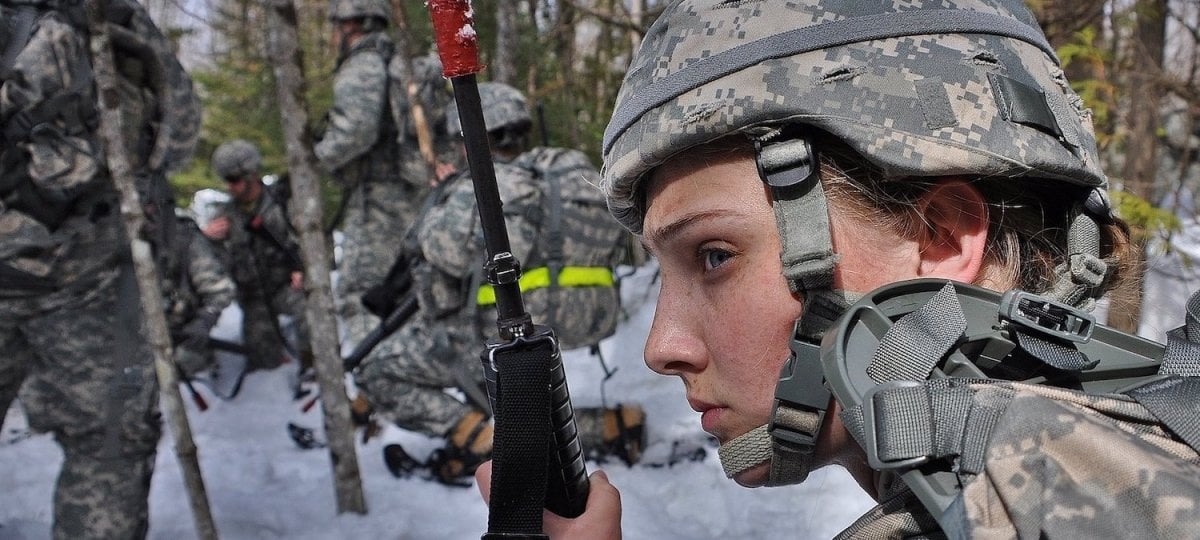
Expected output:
(919, 90)
(360, 9)
(503, 107)
(236, 158)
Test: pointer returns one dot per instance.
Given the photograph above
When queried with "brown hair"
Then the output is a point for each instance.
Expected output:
(1028, 218)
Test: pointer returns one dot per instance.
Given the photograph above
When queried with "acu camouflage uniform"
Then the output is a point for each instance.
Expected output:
(89, 374)
(196, 287)
(261, 252)
(376, 159)
(406, 376)
(919, 89)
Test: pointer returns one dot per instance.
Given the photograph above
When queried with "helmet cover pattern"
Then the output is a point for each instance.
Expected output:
(918, 87)
(503, 106)
(236, 158)
(357, 9)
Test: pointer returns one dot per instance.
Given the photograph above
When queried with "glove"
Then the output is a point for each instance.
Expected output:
(191, 361)
(194, 335)
(380, 300)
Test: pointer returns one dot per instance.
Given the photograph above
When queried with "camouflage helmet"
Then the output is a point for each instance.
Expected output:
(919, 88)
(503, 106)
(359, 9)
(236, 158)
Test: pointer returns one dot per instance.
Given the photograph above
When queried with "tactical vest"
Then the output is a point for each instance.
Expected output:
(51, 167)
(380, 163)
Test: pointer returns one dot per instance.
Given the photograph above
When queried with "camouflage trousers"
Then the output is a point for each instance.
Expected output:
(405, 378)
(101, 405)
(15, 360)
(264, 336)
(376, 220)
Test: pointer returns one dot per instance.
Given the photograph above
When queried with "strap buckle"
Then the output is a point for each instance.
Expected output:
(870, 425)
(1046, 316)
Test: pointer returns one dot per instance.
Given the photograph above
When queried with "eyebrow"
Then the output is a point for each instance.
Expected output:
(667, 232)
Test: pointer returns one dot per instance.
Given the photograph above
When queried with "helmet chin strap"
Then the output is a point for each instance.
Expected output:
(788, 165)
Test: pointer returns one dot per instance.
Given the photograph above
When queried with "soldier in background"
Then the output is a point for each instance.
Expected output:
(370, 148)
(69, 303)
(195, 283)
(261, 250)
(561, 232)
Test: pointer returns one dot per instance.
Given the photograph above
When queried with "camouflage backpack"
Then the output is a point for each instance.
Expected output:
(580, 246)
(432, 91)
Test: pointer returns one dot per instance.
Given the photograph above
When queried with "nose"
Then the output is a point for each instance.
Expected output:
(675, 345)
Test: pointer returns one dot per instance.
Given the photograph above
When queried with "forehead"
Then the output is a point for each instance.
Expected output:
(701, 184)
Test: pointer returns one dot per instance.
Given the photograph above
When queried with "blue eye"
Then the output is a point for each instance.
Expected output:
(714, 258)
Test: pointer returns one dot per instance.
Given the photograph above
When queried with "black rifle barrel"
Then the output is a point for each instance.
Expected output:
(405, 310)
(509, 305)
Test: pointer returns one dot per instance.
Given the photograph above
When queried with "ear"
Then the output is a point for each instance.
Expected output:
(956, 228)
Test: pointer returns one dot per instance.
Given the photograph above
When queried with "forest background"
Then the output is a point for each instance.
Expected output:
(1135, 63)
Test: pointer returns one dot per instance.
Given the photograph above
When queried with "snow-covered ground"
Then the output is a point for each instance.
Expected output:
(261, 486)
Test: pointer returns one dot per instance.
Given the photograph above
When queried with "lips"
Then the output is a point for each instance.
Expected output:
(710, 414)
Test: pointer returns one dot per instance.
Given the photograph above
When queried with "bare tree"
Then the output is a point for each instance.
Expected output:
(504, 68)
(146, 271)
(1141, 143)
(283, 47)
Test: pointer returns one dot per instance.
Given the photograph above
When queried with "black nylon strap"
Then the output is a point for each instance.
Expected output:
(1173, 401)
(521, 443)
(554, 240)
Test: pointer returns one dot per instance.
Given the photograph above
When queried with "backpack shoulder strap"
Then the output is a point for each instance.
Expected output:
(1174, 400)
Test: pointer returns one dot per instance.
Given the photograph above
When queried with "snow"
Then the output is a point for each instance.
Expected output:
(261, 486)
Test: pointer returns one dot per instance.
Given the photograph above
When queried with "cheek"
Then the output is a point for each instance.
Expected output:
(758, 331)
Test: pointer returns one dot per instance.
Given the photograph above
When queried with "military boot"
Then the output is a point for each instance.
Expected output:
(362, 414)
(615, 431)
(468, 444)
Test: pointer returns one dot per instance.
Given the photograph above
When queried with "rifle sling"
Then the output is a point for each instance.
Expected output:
(522, 441)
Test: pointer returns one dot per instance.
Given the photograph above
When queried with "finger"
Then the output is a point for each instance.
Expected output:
(483, 479)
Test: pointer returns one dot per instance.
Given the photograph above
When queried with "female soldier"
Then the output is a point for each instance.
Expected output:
(780, 159)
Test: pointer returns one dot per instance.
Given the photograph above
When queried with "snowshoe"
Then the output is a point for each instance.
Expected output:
(305, 438)
(671, 453)
(468, 445)
(623, 431)
(226, 375)
(399, 462)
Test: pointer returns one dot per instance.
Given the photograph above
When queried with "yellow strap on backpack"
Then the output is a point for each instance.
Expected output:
(539, 278)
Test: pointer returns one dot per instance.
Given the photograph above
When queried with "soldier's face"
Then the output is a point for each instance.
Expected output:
(725, 314)
(345, 32)
(244, 189)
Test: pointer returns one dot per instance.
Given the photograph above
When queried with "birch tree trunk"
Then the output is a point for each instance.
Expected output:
(504, 67)
(283, 48)
(149, 287)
